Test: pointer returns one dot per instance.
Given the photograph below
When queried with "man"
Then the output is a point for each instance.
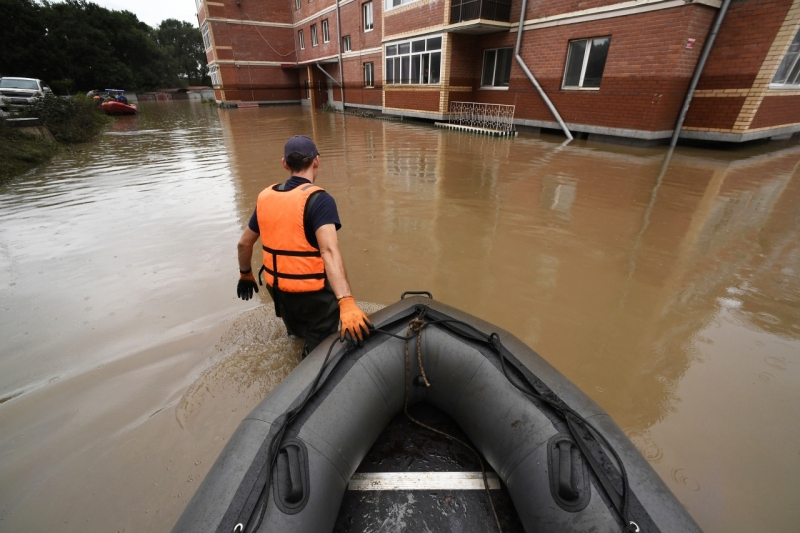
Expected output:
(297, 222)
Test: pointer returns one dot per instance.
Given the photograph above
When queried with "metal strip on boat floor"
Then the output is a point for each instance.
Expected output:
(422, 481)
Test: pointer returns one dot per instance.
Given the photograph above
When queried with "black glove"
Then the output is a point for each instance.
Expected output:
(244, 289)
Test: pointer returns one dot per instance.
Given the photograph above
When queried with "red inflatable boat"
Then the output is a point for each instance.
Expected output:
(118, 108)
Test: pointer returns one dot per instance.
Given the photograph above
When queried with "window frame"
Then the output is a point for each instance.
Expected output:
(347, 47)
(388, 7)
(586, 53)
(494, 87)
(205, 31)
(213, 73)
(398, 56)
(367, 7)
(314, 38)
(301, 39)
(297, 5)
(369, 80)
(326, 32)
(308, 89)
(795, 62)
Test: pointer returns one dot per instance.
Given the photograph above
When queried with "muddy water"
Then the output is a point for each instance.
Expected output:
(126, 361)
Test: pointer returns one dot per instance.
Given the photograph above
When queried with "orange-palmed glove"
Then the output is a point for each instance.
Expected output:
(353, 319)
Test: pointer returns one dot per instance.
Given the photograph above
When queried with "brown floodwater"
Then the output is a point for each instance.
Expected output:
(672, 299)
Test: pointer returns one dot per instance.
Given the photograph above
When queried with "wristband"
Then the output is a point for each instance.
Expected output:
(340, 298)
(248, 271)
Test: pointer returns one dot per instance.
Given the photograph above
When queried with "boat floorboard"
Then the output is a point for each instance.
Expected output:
(406, 447)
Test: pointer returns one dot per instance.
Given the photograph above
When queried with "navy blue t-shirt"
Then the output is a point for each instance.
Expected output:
(322, 212)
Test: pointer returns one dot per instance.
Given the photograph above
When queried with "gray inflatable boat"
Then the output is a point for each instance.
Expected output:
(562, 460)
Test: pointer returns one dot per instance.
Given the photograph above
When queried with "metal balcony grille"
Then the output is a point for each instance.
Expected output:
(463, 10)
(497, 117)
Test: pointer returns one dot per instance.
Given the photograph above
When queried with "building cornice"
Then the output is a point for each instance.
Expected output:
(359, 53)
(315, 15)
(621, 9)
(251, 22)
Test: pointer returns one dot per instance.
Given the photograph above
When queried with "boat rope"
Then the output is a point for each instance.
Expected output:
(574, 421)
(416, 326)
(252, 513)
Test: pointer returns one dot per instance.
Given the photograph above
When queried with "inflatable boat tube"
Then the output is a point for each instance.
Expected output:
(567, 466)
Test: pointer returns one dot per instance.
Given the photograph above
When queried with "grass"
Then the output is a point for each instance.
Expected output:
(20, 153)
(71, 120)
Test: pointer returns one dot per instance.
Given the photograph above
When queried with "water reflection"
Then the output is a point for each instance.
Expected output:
(672, 298)
(611, 268)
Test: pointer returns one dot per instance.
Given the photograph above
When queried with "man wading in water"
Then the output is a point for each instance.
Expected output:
(297, 222)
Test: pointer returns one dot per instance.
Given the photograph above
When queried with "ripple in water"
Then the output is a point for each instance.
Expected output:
(257, 355)
(645, 444)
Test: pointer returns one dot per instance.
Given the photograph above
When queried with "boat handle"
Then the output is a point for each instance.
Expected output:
(566, 486)
(292, 464)
(419, 293)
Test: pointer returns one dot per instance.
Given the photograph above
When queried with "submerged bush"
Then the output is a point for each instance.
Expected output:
(71, 120)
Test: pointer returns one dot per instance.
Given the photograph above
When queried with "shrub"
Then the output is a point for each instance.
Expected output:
(19, 153)
(71, 120)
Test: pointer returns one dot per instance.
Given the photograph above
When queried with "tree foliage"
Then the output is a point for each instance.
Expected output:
(81, 45)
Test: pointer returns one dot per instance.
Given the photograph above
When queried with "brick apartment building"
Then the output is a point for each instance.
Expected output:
(611, 68)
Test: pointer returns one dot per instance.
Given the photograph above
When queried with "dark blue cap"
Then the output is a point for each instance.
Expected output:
(300, 144)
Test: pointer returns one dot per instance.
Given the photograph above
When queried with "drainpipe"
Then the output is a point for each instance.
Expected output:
(329, 76)
(339, 48)
(530, 76)
(698, 71)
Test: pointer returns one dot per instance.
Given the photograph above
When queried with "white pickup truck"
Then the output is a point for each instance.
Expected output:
(19, 92)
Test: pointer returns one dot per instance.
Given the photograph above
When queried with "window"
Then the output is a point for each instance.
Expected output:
(297, 5)
(308, 91)
(346, 43)
(302, 40)
(369, 75)
(366, 10)
(789, 70)
(214, 74)
(199, 4)
(417, 61)
(326, 34)
(206, 36)
(586, 60)
(391, 4)
(496, 67)
(314, 35)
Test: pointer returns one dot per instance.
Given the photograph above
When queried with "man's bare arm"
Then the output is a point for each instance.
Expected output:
(245, 248)
(334, 265)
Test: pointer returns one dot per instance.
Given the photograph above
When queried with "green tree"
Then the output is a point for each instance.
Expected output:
(183, 44)
(78, 44)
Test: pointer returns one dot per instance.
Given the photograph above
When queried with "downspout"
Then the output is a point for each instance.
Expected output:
(698, 71)
(530, 76)
(339, 48)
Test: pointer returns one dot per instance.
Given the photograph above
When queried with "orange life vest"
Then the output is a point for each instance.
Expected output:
(290, 262)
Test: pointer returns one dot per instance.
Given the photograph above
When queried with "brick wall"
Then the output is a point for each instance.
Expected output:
(355, 92)
(322, 49)
(645, 78)
(255, 10)
(742, 43)
(414, 99)
(776, 111)
(249, 43)
(259, 83)
(549, 8)
(412, 17)
(352, 25)
(717, 113)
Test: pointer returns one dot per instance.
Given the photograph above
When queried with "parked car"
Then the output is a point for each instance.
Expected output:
(19, 92)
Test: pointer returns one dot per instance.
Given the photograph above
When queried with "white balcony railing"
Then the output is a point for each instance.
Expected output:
(496, 117)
